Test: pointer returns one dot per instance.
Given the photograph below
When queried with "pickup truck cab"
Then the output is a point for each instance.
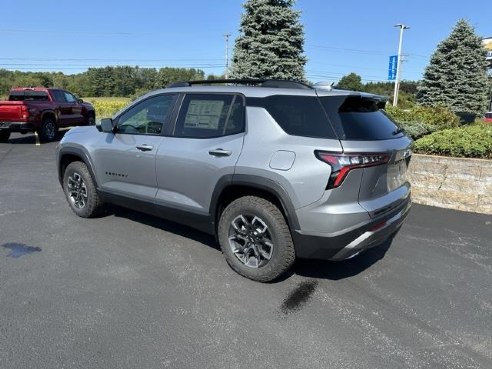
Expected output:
(42, 110)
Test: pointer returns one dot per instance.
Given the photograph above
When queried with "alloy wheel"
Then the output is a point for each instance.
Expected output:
(250, 240)
(77, 190)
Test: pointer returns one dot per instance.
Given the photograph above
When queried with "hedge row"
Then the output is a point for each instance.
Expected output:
(472, 141)
(421, 120)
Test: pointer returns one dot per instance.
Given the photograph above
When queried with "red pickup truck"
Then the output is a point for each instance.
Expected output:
(42, 110)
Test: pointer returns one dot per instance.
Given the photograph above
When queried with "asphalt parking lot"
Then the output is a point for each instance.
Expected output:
(131, 291)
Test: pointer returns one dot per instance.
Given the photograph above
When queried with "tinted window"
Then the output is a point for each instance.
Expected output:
(28, 96)
(359, 118)
(58, 95)
(147, 117)
(204, 116)
(297, 115)
(69, 97)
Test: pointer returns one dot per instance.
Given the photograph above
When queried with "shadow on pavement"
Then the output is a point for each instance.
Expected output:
(336, 270)
(163, 224)
(30, 138)
(307, 268)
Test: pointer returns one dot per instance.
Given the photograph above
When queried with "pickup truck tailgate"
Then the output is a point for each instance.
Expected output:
(11, 111)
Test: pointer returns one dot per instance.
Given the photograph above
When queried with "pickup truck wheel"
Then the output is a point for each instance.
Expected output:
(256, 239)
(4, 135)
(48, 130)
(80, 190)
(91, 120)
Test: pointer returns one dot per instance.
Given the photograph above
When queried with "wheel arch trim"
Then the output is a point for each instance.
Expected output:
(258, 183)
(79, 152)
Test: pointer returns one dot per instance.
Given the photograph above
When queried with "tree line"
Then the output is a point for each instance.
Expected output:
(107, 81)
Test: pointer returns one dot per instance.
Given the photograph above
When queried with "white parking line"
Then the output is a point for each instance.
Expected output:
(37, 138)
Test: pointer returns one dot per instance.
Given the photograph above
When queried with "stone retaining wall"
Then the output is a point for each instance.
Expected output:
(456, 183)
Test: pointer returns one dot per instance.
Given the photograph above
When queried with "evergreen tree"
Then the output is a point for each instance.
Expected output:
(270, 43)
(456, 76)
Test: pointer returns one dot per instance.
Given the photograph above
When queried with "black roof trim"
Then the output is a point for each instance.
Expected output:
(275, 83)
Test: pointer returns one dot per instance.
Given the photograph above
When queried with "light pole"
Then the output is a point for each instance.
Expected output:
(226, 39)
(398, 65)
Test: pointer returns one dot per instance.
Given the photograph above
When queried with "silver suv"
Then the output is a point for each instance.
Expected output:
(276, 170)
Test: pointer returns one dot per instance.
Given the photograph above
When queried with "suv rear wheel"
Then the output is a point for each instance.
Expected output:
(80, 190)
(256, 239)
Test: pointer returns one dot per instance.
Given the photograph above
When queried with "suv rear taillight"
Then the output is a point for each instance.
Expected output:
(342, 164)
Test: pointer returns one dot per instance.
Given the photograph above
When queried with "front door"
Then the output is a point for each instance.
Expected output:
(126, 159)
(74, 109)
(65, 117)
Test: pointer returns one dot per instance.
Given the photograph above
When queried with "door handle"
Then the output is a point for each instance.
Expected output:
(220, 152)
(145, 147)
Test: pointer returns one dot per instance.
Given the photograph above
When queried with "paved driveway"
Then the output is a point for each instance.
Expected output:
(132, 291)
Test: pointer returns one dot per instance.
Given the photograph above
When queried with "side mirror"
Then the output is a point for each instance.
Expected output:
(80, 101)
(107, 125)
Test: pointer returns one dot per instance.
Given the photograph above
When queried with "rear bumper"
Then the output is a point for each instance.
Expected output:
(22, 127)
(348, 243)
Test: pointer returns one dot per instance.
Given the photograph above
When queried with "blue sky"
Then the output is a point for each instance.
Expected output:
(340, 36)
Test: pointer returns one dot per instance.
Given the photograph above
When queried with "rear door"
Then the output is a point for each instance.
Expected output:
(365, 130)
(205, 146)
(125, 161)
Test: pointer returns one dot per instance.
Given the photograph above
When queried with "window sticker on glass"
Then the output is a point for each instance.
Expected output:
(204, 114)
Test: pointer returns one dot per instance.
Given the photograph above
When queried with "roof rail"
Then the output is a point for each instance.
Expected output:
(275, 83)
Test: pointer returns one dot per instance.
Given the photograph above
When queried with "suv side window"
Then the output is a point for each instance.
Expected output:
(297, 115)
(210, 115)
(148, 117)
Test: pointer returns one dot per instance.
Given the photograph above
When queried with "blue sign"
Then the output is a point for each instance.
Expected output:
(392, 67)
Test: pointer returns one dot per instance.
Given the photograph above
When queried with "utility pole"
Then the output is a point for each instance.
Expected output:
(226, 38)
(398, 65)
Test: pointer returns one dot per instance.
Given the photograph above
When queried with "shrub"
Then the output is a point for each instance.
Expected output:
(472, 141)
(422, 120)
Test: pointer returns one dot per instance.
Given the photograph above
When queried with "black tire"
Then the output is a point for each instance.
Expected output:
(80, 190)
(48, 130)
(281, 254)
(4, 136)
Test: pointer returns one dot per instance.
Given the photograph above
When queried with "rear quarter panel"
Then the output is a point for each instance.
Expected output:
(305, 180)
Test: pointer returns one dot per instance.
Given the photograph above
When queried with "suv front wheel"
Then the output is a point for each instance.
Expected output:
(256, 239)
(80, 190)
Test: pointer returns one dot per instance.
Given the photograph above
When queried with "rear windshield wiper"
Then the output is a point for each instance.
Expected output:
(397, 131)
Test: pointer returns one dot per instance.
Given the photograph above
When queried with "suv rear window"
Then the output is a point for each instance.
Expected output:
(359, 118)
(297, 115)
(28, 96)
